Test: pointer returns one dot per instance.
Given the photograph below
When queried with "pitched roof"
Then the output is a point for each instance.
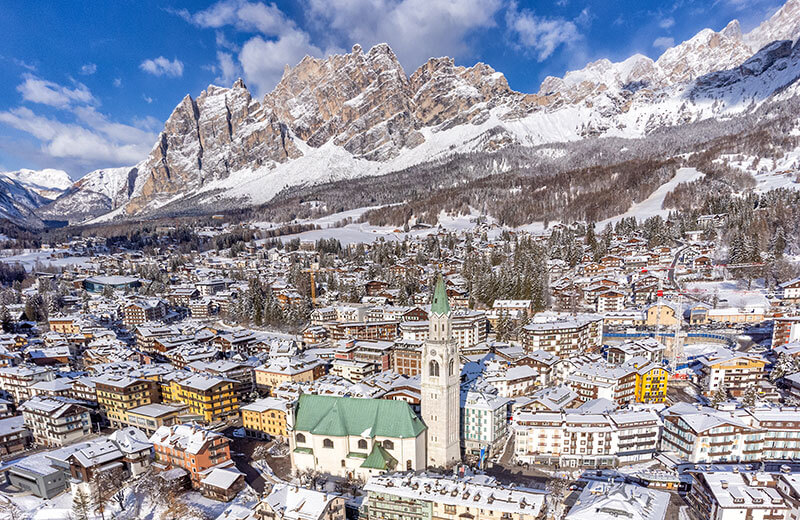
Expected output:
(379, 458)
(342, 416)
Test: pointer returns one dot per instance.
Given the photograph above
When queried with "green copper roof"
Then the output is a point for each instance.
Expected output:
(379, 458)
(342, 416)
(440, 304)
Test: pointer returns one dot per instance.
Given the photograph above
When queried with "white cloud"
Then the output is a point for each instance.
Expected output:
(117, 82)
(415, 29)
(664, 42)
(97, 141)
(224, 43)
(540, 34)
(666, 23)
(228, 69)
(263, 60)
(147, 99)
(243, 15)
(161, 66)
(37, 90)
(88, 69)
(584, 19)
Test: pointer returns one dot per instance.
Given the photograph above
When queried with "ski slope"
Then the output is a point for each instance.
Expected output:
(651, 206)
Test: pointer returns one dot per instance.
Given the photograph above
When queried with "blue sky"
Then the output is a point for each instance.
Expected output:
(89, 84)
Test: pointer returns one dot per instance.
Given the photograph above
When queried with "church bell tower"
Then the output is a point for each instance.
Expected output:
(441, 375)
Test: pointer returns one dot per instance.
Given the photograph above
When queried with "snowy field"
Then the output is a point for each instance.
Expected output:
(730, 293)
(362, 232)
(770, 174)
(651, 206)
(29, 260)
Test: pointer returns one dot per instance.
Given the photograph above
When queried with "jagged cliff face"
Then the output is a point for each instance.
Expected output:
(360, 114)
(222, 131)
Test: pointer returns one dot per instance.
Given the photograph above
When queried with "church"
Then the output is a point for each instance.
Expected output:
(365, 437)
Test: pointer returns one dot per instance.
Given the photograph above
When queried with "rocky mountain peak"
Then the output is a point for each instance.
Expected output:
(783, 25)
(706, 52)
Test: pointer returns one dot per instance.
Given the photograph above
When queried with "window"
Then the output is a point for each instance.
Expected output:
(449, 510)
(408, 465)
(433, 369)
(300, 438)
(327, 443)
(362, 444)
(389, 445)
(450, 368)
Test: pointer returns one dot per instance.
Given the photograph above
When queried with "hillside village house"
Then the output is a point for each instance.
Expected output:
(192, 448)
(56, 421)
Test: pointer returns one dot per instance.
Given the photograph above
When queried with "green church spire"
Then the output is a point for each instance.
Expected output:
(440, 304)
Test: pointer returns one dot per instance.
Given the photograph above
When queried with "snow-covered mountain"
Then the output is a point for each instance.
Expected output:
(360, 114)
(49, 183)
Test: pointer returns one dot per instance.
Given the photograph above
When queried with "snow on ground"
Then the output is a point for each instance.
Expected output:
(730, 293)
(769, 173)
(651, 206)
(363, 232)
(29, 259)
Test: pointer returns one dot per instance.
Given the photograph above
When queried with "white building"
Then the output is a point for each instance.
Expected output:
(615, 500)
(484, 419)
(585, 439)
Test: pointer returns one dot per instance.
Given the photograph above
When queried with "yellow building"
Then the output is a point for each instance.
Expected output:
(651, 384)
(265, 418)
(64, 325)
(281, 370)
(663, 314)
(209, 397)
(116, 394)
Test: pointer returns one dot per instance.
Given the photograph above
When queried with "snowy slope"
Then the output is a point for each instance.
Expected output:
(49, 183)
(651, 206)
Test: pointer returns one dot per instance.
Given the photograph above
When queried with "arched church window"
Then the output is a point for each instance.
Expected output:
(433, 369)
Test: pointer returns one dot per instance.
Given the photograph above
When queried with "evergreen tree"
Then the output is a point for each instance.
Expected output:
(80, 505)
(720, 395)
(750, 396)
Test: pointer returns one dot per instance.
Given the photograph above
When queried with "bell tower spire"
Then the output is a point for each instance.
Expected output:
(441, 375)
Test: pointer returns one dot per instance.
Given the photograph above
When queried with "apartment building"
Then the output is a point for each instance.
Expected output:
(209, 397)
(732, 370)
(702, 434)
(563, 334)
(729, 495)
(116, 394)
(419, 497)
(468, 328)
(266, 418)
(484, 420)
(288, 502)
(590, 439)
(142, 311)
(56, 421)
(296, 369)
(192, 448)
(18, 381)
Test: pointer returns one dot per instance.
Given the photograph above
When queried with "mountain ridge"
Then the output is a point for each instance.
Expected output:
(360, 114)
